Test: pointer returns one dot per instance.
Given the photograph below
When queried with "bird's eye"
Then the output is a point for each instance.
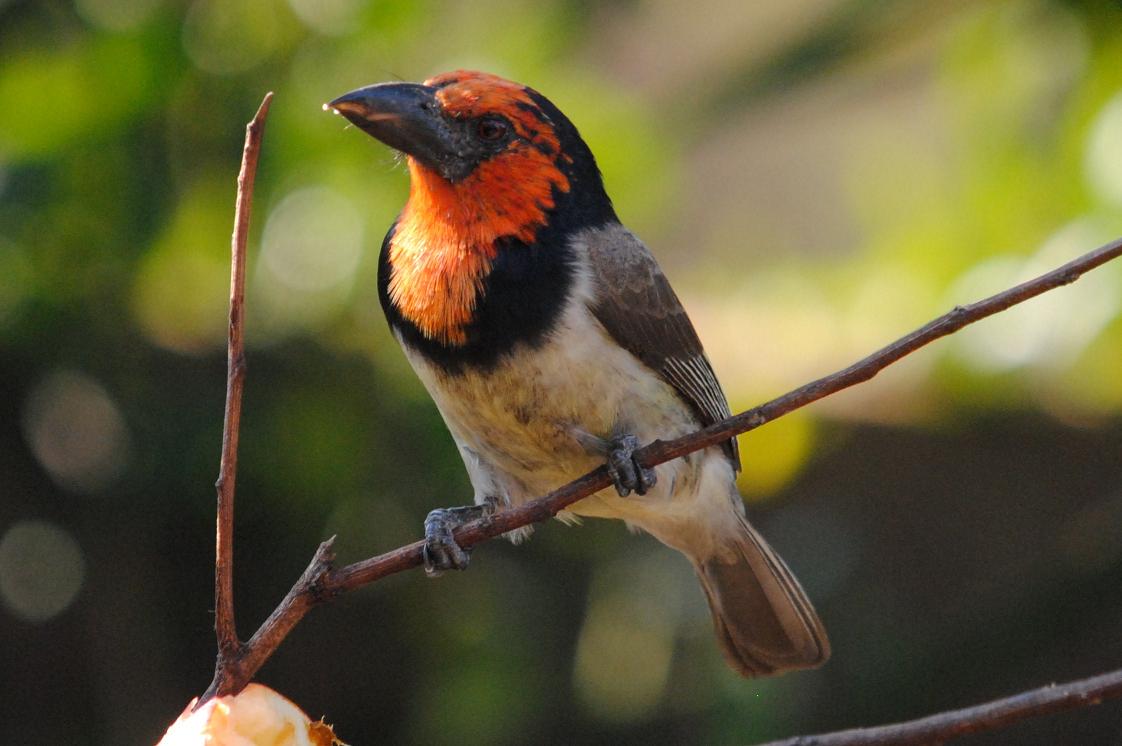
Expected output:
(491, 129)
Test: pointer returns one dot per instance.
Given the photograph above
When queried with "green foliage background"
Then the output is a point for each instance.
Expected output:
(817, 178)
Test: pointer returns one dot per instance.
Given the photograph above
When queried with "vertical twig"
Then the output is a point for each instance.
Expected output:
(229, 646)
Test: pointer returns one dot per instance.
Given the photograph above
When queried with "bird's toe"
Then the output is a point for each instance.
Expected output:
(441, 552)
(627, 474)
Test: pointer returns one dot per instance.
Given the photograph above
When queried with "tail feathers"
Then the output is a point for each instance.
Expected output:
(763, 619)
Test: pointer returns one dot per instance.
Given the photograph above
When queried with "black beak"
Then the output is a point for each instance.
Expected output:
(405, 116)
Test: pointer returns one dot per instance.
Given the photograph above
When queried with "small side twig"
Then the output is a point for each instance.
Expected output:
(977, 719)
(229, 647)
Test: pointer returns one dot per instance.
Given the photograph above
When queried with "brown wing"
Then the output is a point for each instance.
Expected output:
(637, 306)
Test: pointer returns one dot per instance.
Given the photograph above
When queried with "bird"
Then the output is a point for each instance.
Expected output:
(552, 343)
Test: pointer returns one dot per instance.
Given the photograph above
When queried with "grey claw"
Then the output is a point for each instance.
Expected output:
(626, 473)
(622, 472)
(441, 552)
(441, 557)
(430, 564)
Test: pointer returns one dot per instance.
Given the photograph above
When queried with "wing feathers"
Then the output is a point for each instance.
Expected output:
(638, 308)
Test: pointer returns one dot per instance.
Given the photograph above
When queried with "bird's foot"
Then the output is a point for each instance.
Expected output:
(627, 474)
(441, 552)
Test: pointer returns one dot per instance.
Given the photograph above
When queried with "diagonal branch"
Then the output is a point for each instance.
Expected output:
(367, 571)
(977, 719)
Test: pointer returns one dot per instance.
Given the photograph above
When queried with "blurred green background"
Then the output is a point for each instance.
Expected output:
(817, 177)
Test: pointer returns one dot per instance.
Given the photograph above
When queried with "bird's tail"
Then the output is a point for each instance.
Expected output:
(763, 619)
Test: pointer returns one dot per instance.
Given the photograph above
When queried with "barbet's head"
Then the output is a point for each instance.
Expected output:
(495, 169)
(496, 153)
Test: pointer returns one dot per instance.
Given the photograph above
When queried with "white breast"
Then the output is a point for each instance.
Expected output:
(527, 415)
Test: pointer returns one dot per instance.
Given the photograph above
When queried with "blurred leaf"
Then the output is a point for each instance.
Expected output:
(54, 98)
(182, 282)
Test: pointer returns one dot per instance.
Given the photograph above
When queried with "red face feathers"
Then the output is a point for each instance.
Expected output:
(489, 161)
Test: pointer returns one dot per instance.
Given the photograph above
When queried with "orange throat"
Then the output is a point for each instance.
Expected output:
(445, 241)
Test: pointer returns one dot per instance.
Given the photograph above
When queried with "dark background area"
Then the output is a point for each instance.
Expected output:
(817, 178)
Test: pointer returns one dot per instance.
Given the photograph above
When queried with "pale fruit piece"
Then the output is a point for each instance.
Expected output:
(258, 716)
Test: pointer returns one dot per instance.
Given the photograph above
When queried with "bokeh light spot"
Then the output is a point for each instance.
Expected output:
(332, 17)
(182, 284)
(312, 239)
(116, 15)
(1103, 158)
(1050, 331)
(622, 667)
(102, 82)
(76, 431)
(774, 454)
(229, 36)
(310, 250)
(627, 641)
(41, 570)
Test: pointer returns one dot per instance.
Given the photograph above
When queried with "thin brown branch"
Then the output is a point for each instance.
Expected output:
(313, 589)
(369, 570)
(977, 719)
(865, 369)
(225, 629)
